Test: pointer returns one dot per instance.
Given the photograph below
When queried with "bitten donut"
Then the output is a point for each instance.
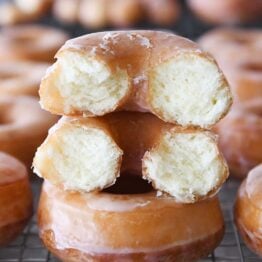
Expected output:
(16, 204)
(181, 162)
(240, 138)
(248, 210)
(21, 77)
(31, 42)
(150, 71)
(226, 11)
(116, 226)
(23, 126)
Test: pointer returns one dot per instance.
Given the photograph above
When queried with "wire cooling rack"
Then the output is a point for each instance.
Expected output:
(28, 247)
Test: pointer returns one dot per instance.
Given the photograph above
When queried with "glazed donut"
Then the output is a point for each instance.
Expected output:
(31, 42)
(226, 11)
(239, 53)
(21, 77)
(150, 71)
(155, 228)
(23, 126)
(93, 13)
(248, 210)
(66, 11)
(124, 13)
(16, 204)
(162, 12)
(34, 7)
(183, 163)
(240, 138)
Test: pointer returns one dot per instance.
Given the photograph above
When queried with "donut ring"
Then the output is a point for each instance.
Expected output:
(21, 77)
(16, 202)
(240, 139)
(183, 163)
(31, 42)
(23, 126)
(139, 71)
(226, 11)
(156, 228)
(248, 210)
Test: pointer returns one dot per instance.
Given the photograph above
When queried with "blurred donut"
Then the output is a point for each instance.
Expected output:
(32, 42)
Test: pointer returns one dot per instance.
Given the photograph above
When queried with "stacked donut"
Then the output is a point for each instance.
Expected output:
(131, 167)
(239, 53)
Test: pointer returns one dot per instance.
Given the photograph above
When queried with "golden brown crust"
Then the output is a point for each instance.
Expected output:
(31, 42)
(137, 53)
(248, 212)
(183, 234)
(25, 127)
(226, 11)
(15, 198)
(240, 140)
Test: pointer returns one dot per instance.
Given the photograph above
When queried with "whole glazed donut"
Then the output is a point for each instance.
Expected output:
(226, 11)
(19, 11)
(30, 42)
(240, 138)
(155, 228)
(239, 53)
(21, 77)
(145, 71)
(248, 210)
(184, 163)
(16, 204)
(23, 126)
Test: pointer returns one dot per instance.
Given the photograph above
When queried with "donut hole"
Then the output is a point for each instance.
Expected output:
(88, 85)
(129, 184)
(80, 158)
(188, 166)
(190, 90)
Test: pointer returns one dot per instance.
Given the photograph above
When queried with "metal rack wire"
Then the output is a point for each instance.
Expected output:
(28, 246)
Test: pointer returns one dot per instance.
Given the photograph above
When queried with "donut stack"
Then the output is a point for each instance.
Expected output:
(240, 58)
(131, 167)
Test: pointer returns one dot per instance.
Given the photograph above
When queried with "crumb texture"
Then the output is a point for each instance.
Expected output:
(189, 89)
(188, 166)
(83, 159)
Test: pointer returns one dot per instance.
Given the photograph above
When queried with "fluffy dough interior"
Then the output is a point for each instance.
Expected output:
(185, 165)
(84, 158)
(88, 85)
(189, 90)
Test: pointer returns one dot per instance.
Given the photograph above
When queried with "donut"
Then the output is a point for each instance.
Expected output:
(93, 13)
(226, 11)
(124, 13)
(147, 71)
(127, 227)
(186, 164)
(31, 42)
(16, 204)
(240, 138)
(66, 11)
(162, 12)
(21, 77)
(23, 126)
(34, 7)
(248, 210)
(239, 53)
